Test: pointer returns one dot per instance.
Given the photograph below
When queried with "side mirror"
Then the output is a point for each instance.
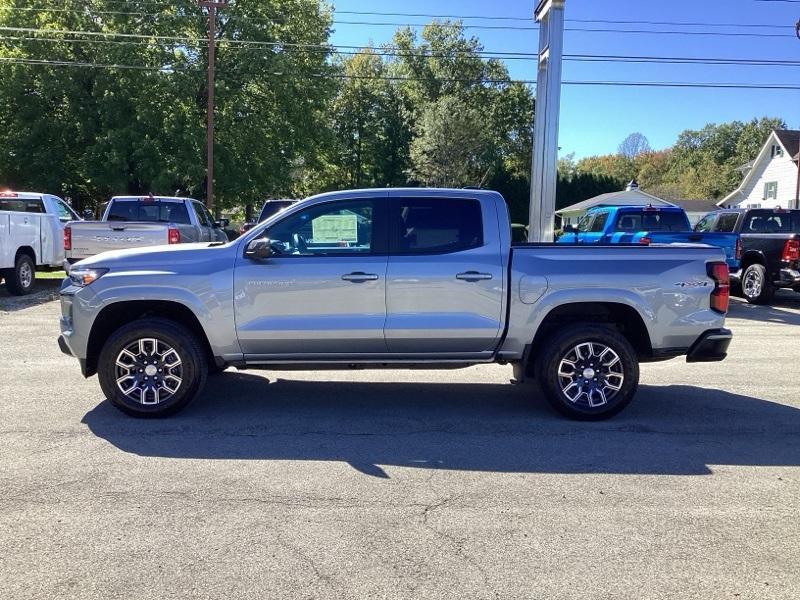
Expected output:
(260, 249)
(87, 214)
(222, 223)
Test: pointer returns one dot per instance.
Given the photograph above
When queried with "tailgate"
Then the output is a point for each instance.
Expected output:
(93, 237)
(729, 242)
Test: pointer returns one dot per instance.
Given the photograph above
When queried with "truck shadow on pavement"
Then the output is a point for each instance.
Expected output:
(670, 430)
(46, 290)
(785, 309)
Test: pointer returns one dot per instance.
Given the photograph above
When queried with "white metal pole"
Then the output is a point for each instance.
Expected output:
(550, 15)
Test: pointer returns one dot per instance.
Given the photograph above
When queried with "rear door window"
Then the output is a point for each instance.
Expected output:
(726, 223)
(705, 224)
(202, 219)
(435, 225)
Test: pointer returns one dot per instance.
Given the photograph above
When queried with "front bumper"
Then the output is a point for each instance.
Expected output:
(712, 346)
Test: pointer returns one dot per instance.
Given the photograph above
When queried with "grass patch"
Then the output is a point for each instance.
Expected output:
(51, 275)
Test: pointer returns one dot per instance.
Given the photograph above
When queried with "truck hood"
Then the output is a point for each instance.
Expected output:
(153, 256)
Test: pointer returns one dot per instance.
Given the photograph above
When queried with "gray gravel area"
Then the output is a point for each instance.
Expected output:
(402, 484)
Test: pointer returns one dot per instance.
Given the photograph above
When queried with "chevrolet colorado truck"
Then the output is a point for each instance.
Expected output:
(392, 278)
(770, 249)
(135, 222)
(647, 225)
(31, 233)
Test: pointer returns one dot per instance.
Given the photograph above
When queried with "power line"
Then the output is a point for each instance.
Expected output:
(657, 84)
(531, 27)
(360, 50)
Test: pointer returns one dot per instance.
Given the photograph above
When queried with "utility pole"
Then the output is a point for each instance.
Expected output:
(797, 158)
(550, 15)
(212, 6)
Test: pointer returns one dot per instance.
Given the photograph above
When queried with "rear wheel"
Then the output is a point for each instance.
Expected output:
(588, 372)
(152, 368)
(756, 286)
(20, 279)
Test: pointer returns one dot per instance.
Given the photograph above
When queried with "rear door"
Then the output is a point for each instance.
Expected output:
(444, 281)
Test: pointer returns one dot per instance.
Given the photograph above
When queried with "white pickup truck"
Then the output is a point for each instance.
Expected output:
(142, 221)
(31, 234)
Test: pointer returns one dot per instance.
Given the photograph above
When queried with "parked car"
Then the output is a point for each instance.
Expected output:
(141, 221)
(770, 249)
(271, 207)
(392, 277)
(31, 234)
(647, 225)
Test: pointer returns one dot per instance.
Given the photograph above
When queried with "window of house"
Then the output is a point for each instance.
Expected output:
(777, 150)
(771, 190)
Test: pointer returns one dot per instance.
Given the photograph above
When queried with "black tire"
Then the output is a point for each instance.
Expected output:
(604, 393)
(756, 286)
(149, 400)
(213, 369)
(21, 279)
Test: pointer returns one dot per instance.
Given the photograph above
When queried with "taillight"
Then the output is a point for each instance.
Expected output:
(67, 238)
(174, 235)
(791, 251)
(721, 296)
(644, 241)
(738, 251)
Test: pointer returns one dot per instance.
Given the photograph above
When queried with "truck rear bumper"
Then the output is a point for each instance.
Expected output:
(712, 346)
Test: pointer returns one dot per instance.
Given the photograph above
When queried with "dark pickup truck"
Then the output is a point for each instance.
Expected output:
(770, 239)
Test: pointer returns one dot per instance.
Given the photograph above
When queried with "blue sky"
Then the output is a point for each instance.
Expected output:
(594, 120)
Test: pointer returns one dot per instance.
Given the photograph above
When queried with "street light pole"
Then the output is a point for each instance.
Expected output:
(212, 6)
(550, 15)
(797, 191)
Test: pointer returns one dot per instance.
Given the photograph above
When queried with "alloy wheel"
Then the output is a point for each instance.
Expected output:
(752, 284)
(149, 371)
(590, 374)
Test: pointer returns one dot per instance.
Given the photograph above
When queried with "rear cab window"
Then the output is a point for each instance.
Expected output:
(651, 220)
(157, 211)
(767, 221)
(435, 225)
(25, 205)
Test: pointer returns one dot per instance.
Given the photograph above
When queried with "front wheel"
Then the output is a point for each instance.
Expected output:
(756, 286)
(152, 368)
(588, 372)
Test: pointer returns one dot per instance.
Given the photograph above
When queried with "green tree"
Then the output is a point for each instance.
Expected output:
(452, 147)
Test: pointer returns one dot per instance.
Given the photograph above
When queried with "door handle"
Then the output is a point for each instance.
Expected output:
(474, 276)
(358, 277)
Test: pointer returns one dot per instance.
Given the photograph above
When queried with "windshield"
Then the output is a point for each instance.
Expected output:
(149, 210)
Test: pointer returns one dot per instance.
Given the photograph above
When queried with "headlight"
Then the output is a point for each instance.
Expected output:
(83, 276)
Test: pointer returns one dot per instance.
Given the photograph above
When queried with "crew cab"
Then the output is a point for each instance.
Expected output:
(31, 229)
(392, 278)
(647, 225)
(142, 221)
(770, 239)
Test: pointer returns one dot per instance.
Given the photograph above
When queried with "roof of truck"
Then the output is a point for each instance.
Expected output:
(160, 198)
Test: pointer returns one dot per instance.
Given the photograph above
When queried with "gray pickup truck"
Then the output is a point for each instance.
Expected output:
(392, 278)
(142, 221)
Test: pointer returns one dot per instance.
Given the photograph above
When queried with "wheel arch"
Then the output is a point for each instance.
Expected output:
(26, 250)
(117, 314)
(752, 257)
(622, 317)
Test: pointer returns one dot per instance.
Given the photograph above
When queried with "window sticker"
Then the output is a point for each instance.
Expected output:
(335, 228)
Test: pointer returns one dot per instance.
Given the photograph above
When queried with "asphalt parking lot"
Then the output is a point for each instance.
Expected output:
(407, 484)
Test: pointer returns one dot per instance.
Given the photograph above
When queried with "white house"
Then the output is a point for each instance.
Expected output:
(770, 180)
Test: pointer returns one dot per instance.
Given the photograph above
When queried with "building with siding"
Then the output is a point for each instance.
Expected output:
(770, 180)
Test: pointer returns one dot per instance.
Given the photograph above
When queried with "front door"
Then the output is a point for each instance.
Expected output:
(444, 281)
(322, 293)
